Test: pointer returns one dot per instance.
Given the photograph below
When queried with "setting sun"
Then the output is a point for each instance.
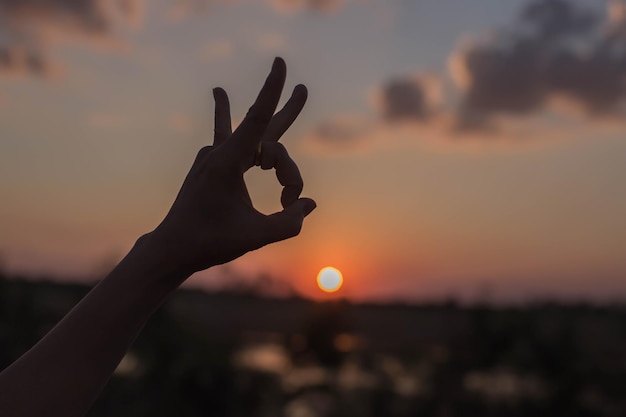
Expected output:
(329, 279)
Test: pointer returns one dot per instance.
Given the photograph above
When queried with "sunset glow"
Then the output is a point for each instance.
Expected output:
(430, 178)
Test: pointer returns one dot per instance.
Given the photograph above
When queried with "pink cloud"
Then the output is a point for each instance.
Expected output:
(292, 6)
(29, 27)
(17, 60)
(182, 9)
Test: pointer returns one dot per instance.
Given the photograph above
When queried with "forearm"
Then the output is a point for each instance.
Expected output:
(63, 374)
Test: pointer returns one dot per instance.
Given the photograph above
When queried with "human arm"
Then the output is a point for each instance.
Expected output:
(212, 221)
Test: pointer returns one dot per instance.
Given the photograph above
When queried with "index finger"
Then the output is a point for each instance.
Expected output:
(249, 132)
(285, 118)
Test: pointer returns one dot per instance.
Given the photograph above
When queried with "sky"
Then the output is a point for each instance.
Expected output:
(455, 149)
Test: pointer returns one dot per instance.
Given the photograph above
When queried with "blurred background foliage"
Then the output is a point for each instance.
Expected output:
(236, 353)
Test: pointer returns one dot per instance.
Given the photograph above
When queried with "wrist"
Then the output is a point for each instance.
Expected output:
(157, 256)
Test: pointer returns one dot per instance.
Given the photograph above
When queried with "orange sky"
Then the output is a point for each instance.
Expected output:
(445, 162)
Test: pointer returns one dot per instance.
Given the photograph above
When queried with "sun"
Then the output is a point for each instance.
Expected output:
(329, 279)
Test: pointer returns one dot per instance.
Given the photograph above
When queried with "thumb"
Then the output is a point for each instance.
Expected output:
(288, 223)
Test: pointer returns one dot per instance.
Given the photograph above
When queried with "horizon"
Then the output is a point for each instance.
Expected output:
(267, 288)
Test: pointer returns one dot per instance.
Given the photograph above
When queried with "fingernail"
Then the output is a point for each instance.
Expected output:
(309, 207)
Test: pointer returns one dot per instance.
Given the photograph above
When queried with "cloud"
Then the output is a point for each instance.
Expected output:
(133, 11)
(406, 106)
(414, 98)
(182, 9)
(17, 60)
(362, 135)
(341, 133)
(557, 52)
(321, 6)
(29, 27)
(558, 71)
(616, 11)
(554, 19)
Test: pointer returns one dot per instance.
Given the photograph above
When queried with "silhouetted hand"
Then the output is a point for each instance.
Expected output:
(213, 220)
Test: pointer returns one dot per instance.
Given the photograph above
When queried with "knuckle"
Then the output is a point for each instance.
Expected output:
(280, 149)
(201, 156)
(204, 151)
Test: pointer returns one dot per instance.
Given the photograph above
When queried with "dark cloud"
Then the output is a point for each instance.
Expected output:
(18, 60)
(554, 19)
(409, 98)
(558, 49)
(27, 27)
(408, 101)
(559, 55)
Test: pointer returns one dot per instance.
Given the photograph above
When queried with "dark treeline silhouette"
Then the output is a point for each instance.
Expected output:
(238, 354)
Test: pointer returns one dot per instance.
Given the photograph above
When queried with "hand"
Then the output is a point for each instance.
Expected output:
(212, 220)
